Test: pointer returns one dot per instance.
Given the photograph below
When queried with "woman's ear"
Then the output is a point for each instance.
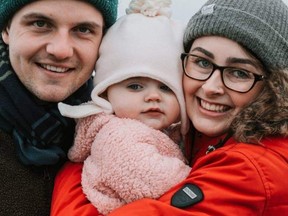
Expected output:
(5, 35)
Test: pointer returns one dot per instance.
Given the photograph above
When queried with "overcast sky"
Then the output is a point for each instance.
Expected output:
(181, 9)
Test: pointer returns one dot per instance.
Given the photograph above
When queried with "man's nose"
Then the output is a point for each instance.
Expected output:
(60, 45)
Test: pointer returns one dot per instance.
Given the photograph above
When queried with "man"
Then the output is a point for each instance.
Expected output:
(48, 49)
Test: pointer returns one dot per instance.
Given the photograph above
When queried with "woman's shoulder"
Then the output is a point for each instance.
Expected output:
(267, 149)
(261, 168)
(265, 164)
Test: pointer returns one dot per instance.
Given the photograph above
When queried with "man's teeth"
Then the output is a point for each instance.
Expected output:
(54, 69)
(214, 107)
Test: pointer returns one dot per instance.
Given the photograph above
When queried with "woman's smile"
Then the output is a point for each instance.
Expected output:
(213, 107)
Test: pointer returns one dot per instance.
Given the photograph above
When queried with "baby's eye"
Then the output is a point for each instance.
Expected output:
(165, 88)
(135, 86)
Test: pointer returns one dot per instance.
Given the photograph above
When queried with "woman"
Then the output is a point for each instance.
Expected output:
(236, 91)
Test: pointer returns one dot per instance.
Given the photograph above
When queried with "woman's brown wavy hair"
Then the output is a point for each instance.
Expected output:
(267, 115)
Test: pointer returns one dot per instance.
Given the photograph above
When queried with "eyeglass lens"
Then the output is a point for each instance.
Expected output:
(201, 69)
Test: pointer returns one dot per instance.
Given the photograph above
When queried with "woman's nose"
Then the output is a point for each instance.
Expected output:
(214, 84)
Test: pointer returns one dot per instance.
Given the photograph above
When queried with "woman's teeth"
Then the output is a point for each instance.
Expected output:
(213, 107)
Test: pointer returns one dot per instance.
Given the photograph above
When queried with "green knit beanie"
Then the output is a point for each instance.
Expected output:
(261, 26)
(108, 8)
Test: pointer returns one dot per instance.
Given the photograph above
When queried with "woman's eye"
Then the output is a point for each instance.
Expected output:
(241, 74)
(203, 63)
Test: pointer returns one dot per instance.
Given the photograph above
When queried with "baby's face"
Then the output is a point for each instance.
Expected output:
(146, 100)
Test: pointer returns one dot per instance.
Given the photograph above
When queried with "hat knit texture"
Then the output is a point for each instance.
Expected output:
(108, 8)
(258, 25)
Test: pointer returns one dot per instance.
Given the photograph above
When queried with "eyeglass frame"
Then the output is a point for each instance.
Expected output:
(257, 77)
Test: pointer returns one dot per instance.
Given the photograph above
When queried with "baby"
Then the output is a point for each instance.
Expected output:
(129, 134)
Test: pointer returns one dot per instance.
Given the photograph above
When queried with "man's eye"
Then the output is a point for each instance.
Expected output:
(40, 24)
(84, 30)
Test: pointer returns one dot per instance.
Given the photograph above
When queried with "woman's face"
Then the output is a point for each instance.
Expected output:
(210, 105)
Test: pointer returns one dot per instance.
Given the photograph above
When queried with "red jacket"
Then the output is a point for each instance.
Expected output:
(237, 179)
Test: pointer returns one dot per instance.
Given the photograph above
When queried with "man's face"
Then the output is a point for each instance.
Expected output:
(53, 46)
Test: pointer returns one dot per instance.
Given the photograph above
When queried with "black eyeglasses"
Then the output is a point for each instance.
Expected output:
(236, 79)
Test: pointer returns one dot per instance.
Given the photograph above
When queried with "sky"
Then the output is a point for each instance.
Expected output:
(181, 9)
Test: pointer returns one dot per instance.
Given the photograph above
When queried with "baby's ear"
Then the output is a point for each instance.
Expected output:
(104, 95)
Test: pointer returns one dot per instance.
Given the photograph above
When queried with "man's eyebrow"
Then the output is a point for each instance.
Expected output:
(35, 15)
(90, 24)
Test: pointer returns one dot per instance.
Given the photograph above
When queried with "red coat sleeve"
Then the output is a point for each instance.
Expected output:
(232, 184)
(68, 198)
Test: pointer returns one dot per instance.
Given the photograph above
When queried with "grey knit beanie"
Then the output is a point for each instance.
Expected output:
(261, 26)
(108, 8)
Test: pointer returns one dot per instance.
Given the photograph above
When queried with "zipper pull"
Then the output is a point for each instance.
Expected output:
(210, 149)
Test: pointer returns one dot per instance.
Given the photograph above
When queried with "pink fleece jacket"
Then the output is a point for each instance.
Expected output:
(125, 160)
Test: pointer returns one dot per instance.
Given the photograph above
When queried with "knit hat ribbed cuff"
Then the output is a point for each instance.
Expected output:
(108, 8)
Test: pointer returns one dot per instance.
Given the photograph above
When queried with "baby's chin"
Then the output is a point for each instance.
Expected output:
(154, 123)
